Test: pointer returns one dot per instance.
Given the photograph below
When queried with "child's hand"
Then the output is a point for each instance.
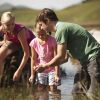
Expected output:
(57, 78)
(39, 68)
(31, 79)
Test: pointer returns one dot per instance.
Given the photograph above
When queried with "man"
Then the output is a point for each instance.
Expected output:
(80, 44)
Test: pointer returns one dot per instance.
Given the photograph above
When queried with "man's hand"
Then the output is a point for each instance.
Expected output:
(40, 68)
(31, 79)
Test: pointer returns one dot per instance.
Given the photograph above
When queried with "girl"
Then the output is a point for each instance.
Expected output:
(15, 35)
(43, 49)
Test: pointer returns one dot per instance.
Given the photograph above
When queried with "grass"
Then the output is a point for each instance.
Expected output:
(85, 14)
(25, 16)
(15, 94)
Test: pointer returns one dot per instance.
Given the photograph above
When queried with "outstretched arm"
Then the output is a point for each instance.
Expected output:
(57, 68)
(33, 63)
(60, 58)
(25, 47)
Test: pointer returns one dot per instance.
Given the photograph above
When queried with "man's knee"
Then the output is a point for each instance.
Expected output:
(98, 77)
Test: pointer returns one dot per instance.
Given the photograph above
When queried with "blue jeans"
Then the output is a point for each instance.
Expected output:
(87, 80)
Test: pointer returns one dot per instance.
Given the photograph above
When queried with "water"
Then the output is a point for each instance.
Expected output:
(66, 88)
(24, 94)
(67, 82)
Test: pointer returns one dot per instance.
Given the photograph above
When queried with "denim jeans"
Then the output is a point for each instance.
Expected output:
(87, 80)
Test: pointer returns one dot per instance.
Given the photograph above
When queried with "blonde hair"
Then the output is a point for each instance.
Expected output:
(6, 17)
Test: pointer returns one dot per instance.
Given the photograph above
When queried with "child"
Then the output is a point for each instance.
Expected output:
(43, 49)
(15, 36)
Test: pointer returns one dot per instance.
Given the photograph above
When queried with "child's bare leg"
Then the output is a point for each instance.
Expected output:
(53, 88)
(55, 93)
(41, 87)
(42, 93)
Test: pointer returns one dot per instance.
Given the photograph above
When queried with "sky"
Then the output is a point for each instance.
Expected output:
(40, 4)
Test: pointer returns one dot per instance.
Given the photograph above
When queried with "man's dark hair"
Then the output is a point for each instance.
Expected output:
(46, 14)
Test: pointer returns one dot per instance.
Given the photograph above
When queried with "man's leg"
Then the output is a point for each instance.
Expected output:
(81, 81)
(94, 72)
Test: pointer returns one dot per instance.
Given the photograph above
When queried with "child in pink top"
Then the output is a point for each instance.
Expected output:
(43, 49)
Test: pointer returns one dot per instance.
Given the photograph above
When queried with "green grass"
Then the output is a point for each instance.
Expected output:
(25, 16)
(84, 13)
(87, 13)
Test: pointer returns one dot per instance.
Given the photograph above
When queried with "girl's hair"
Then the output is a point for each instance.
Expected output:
(46, 14)
(7, 16)
(34, 28)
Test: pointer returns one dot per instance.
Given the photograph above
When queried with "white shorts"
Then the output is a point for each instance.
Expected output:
(46, 78)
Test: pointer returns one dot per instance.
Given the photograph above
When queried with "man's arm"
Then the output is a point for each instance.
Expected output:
(60, 58)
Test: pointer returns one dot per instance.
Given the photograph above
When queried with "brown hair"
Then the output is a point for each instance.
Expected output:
(46, 14)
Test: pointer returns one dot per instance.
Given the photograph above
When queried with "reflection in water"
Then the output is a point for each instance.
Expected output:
(41, 95)
(64, 92)
(66, 88)
(55, 96)
(70, 68)
(46, 95)
(80, 97)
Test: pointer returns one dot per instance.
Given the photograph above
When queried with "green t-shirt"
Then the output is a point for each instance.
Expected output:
(80, 43)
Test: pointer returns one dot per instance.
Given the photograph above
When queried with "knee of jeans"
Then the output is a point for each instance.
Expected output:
(98, 77)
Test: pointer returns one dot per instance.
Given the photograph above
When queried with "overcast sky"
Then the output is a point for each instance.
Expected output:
(39, 4)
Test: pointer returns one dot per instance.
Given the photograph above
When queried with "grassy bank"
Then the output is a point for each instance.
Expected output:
(86, 14)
